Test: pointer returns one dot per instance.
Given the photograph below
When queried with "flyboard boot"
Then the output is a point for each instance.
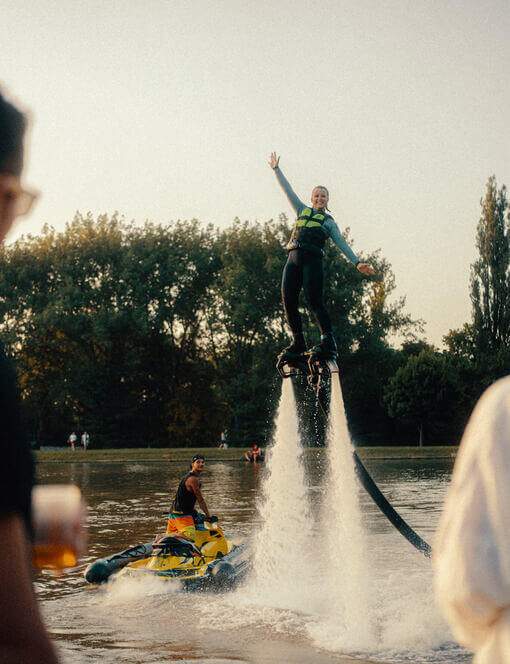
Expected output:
(292, 357)
(326, 350)
(296, 348)
(319, 358)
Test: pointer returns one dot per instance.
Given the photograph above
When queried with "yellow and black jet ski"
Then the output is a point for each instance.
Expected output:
(208, 561)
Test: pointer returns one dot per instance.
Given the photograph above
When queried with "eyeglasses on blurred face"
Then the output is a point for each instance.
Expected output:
(12, 192)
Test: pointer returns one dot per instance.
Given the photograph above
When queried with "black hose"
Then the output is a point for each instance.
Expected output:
(379, 499)
(389, 512)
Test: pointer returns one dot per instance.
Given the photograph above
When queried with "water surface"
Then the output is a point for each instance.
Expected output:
(134, 621)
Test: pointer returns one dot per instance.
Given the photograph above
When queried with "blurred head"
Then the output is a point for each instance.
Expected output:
(320, 198)
(14, 200)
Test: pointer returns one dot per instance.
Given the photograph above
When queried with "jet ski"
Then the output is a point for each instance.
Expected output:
(210, 561)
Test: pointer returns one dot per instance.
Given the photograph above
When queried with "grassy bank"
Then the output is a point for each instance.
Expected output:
(231, 454)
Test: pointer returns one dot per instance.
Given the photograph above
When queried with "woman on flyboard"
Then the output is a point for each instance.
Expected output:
(314, 224)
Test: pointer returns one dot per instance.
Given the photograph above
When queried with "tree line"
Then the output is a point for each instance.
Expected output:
(163, 335)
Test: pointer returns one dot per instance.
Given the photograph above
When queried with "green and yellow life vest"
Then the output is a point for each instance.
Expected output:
(308, 232)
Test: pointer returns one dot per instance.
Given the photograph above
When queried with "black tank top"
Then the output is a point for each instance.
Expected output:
(185, 500)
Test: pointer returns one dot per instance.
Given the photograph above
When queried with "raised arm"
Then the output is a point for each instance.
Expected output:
(296, 203)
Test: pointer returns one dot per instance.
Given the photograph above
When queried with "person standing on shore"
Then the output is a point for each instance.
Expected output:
(85, 439)
(303, 269)
(23, 638)
(72, 440)
(224, 440)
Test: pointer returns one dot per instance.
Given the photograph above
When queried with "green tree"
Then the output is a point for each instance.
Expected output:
(414, 347)
(245, 324)
(163, 335)
(421, 391)
(490, 274)
(364, 318)
(461, 343)
(480, 350)
(104, 323)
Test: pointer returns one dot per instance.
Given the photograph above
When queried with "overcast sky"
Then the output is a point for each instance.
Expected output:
(168, 110)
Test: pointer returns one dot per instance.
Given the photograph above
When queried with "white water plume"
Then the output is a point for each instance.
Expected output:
(281, 549)
(347, 588)
(325, 573)
(316, 579)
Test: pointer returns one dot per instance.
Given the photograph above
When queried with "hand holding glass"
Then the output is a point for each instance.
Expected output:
(58, 513)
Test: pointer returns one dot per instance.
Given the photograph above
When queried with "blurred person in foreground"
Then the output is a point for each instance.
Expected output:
(472, 549)
(23, 638)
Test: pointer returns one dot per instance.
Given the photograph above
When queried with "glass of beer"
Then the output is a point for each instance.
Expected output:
(58, 514)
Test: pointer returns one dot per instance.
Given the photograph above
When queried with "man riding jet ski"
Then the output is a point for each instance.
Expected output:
(194, 550)
(183, 518)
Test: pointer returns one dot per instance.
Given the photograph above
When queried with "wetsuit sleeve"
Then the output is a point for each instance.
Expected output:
(296, 203)
(331, 227)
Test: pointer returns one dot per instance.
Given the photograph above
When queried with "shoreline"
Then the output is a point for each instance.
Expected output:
(182, 455)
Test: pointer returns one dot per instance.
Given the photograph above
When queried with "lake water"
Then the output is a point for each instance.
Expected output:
(150, 622)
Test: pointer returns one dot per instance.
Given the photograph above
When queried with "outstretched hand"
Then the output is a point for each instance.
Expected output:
(274, 160)
(366, 269)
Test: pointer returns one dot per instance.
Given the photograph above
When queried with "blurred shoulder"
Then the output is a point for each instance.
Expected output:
(497, 396)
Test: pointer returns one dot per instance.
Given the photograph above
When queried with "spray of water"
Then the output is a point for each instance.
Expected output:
(313, 578)
(323, 572)
(281, 548)
(347, 586)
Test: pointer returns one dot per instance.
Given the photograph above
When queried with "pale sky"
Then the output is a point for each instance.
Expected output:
(168, 110)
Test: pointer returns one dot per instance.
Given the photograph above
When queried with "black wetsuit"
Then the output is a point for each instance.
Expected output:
(184, 502)
(304, 268)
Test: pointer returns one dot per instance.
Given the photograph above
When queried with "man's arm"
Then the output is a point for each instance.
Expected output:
(193, 485)
(23, 637)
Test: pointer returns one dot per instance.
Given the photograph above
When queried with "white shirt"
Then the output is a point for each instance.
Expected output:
(472, 548)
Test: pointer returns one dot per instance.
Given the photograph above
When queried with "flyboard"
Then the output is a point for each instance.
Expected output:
(318, 370)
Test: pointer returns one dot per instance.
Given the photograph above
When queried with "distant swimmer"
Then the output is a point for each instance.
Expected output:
(303, 269)
(255, 454)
